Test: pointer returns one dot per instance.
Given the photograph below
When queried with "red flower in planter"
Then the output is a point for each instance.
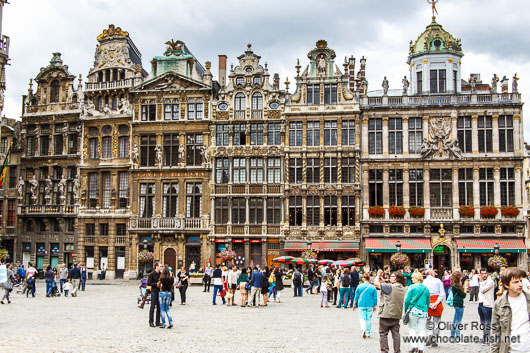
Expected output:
(466, 211)
(376, 211)
(397, 211)
(509, 211)
(417, 212)
(488, 211)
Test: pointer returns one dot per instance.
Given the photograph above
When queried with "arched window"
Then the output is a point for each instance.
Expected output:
(240, 105)
(257, 105)
(54, 91)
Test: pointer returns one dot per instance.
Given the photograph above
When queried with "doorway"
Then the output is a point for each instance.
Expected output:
(170, 258)
(441, 259)
(193, 254)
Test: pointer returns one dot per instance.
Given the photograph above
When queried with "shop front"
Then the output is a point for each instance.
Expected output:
(329, 249)
(379, 251)
(475, 253)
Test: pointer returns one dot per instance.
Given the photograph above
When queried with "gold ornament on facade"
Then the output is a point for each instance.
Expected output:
(111, 32)
(115, 142)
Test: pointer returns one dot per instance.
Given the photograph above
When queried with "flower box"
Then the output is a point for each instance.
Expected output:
(399, 259)
(145, 256)
(466, 211)
(376, 212)
(227, 255)
(308, 254)
(488, 211)
(4, 254)
(397, 211)
(496, 261)
(509, 211)
(417, 212)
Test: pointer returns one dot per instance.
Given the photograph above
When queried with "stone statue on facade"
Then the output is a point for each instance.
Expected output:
(181, 154)
(125, 106)
(440, 144)
(385, 86)
(61, 187)
(426, 149)
(494, 82)
(20, 187)
(33, 188)
(48, 186)
(135, 155)
(18, 138)
(206, 154)
(106, 110)
(158, 154)
(515, 85)
(473, 83)
(75, 189)
(441, 231)
(322, 65)
(406, 85)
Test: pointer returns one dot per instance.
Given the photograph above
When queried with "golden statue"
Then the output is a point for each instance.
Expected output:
(174, 45)
(433, 3)
(441, 231)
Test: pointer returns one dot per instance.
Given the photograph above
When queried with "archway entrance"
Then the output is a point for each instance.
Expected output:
(441, 258)
(170, 258)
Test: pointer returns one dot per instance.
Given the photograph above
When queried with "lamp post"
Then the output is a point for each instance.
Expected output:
(496, 248)
(144, 242)
(398, 246)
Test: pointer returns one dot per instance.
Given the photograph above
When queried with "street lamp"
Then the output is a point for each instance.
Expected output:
(308, 244)
(496, 248)
(398, 246)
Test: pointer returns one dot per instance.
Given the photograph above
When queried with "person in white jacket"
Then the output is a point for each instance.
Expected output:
(485, 303)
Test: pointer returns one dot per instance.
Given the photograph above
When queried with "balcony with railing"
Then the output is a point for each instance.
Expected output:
(239, 114)
(441, 99)
(119, 84)
(441, 213)
(257, 114)
(169, 224)
(49, 209)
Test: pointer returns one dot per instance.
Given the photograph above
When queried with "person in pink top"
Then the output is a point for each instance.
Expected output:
(447, 282)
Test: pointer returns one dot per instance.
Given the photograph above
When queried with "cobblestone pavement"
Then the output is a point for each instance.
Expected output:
(105, 318)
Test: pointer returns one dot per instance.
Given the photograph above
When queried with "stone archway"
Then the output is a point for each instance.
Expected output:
(170, 258)
(442, 258)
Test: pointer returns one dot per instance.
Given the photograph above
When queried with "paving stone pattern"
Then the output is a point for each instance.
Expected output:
(105, 318)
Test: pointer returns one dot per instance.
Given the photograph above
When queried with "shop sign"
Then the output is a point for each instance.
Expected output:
(439, 249)
(255, 240)
(238, 241)
(219, 240)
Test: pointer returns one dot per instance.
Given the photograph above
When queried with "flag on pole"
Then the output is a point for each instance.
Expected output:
(4, 168)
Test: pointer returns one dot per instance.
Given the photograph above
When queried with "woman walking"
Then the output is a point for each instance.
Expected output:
(243, 281)
(183, 277)
(324, 292)
(417, 301)
(459, 294)
(265, 285)
(447, 282)
(345, 282)
(232, 285)
(49, 275)
(8, 285)
(366, 300)
(279, 284)
(165, 283)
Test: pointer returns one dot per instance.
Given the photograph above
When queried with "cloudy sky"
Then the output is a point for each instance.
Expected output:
(494, 34)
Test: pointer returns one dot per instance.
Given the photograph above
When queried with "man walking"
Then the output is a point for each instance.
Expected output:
(63, 275)
(207, 278)
(75, 276)
(390, 309)
(298, 280)
(510, 329)
(310, 278)
(217, 276)
(485, 303)
(354, 283)
(256, 281)
(437, 291)
(473, 285)
(152, 281)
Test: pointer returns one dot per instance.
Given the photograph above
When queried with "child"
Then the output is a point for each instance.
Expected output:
(324, 291)
(66, 288)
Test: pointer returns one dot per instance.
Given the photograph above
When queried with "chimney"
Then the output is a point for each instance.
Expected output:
(222, 70)
(351, 70)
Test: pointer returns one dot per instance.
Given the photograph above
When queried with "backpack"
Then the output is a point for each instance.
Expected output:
(297, 278)
(450, 297)
(346, 280)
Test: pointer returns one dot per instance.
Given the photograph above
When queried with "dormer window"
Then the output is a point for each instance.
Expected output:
(54, 91)
(330, 94)
(257, 80)
(240, 81)
(313, 94)
(149, 110)
(437, 81)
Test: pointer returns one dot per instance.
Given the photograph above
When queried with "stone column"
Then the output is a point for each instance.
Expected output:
(263, 252)
(425, 126)
(456, 197)
(247, 252)
(365, 137)
(406, 191)
(474, 132)
(405, 135)
(365, 195)
(518, 188)
(495, 133)
(426, 192)
(96, 261)
(517, 133)
(385, 135)
(111, 252)
(497, 186)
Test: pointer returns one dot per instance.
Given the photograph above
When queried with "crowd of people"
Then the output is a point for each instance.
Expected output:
(24, 280)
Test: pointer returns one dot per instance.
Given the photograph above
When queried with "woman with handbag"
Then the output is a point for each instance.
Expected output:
(417, 303)
(183, 277)
(243, 282)
(8, 285)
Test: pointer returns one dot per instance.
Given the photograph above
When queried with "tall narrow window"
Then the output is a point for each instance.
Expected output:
(170, 197)
(295, 211)
(148, 110)
(295, 170)
(147, 150)
(221, 135)
(274, 211)
(438, 81)
(256, 170)
(395, 136)
(256, 134)
(10, 213)
(239, 106)
(221, 210)
(313, 133)
(487, 188)
(375, 136)
(221, 170)
(194, 146)
(257, 106)
(348, 170)
(330, 170)
(395, 187)
(415, 135)
(506, 133)
(419, 82)
(239, 206)
(123, 189)
(330, 133)
(313, 94)
(54, 91)
(255, 210)
(274, 170)
(485, 134)
(93, 148)
(45, 140)
(274, 134)
(295, 134)
(239, 170)
(195, 109)
(171, 150)
(465, 186)
(123, 147)
(507, 187)
(105, 176)
(348, 210)
(313, 170)
(441, 187)
(330, 94)
(464, 133)
(375, 183)
(312, 210)
(93, 192)
(171, 109)
(240, 135)
(58, 142)
(348, 132)
(147, 200)
(106, 144)
(330, 210)
(193, 200)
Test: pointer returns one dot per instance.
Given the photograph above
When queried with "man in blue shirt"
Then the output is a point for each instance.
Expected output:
(256, 281)
(21, 272)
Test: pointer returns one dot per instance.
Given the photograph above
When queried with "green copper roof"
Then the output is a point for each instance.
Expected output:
(435, 39)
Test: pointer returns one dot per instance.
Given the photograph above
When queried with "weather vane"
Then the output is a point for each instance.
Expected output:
(433, 3)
